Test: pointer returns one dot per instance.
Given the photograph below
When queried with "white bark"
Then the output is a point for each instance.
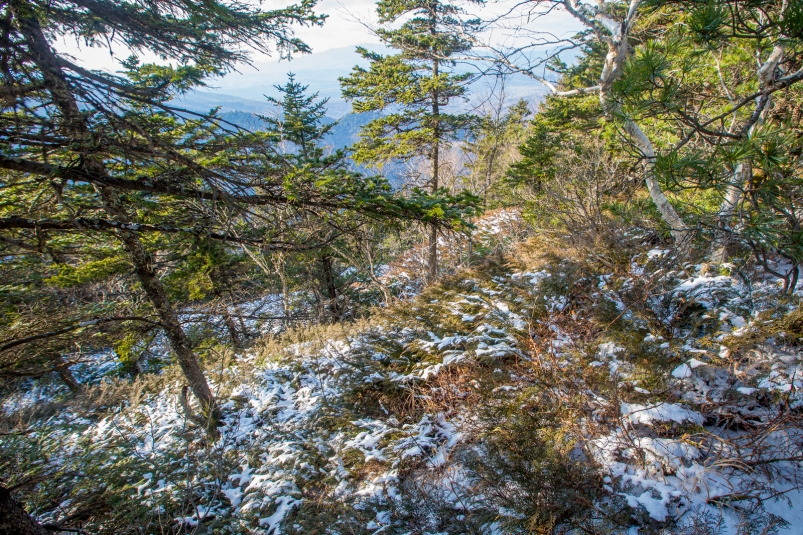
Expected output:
(618, 49)
(743, 171)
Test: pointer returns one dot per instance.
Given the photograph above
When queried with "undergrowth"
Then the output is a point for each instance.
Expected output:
(552, 388)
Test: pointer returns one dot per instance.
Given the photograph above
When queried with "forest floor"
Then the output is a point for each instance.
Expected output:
(544, 390)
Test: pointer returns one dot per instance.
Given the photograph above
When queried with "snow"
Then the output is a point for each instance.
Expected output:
(662, 412)
(324, 415)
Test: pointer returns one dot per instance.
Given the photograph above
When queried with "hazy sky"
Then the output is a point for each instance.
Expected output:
(342, 29)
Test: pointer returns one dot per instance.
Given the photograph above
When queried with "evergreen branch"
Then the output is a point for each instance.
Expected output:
(82, 223)
(9, 343)
(762, 94)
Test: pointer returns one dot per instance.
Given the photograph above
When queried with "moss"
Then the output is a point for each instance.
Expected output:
(791, 326)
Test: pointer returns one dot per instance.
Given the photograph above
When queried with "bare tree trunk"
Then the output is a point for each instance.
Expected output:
(733, 193)
(330, 287)
(236, 340)
(144, 269)
(74, 124)
(63, 370)
(681, 233)
(432, 262)
(371, 271)
(278, 265)
(744, 170)
(14, 520)
(285, 292)
(228, 321)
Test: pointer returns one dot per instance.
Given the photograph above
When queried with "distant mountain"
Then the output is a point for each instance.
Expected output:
(245, 91)
(343, 134)
(320, 71)
(203, 101)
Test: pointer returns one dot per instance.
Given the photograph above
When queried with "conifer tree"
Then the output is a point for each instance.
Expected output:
(300, 129)
(300, 121)
(83, 147)
(412, 87)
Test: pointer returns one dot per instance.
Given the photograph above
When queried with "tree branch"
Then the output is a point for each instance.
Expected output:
(9, 344)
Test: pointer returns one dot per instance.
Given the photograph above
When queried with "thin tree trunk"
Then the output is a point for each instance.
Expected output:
(14, 520)
(236, 340)
(733, 193)
(63, 370)
(228, 321)
(432, 262)
(75, 125)
(279, 265)
(330, 287)
(145, 271)
(612, 68)
(744, 170)
(680, 232)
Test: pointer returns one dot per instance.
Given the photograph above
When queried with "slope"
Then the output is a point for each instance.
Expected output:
(545, 390)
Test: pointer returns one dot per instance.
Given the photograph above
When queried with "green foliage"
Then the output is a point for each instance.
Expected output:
(413, 84)
(708, 22)
(559, 124)
(527, 463)
(89, 272)
(492, 148)
(792, 21)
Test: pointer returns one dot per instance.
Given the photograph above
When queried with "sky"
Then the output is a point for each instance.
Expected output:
(342, 29)
(332, 51)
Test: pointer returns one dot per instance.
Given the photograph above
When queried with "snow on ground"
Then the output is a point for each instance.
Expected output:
(364, 419)
(406, 276)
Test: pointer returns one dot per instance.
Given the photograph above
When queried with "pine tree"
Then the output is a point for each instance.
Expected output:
(300, 121)
(103, 175)
(300, 129)
(412, 87)
(85, 150)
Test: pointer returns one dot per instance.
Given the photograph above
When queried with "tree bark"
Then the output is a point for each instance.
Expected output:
(330, 288)
(680, 232)
(236, 340)
(733, 193)
(744, 170)
(63, 371)
(618, 49)
(14, 520)
(74, 123)
(432, 261)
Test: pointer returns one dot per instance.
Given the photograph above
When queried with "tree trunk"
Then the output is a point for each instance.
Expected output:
(432, 261)
(236, 341)
(612, 68)
(681, 233)
(63, 370)
(14, 520)
(74, 123)
(722, 238)
(219, 284)
(145, 271)
(280, 270)
(329, 288)
(744, 170)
